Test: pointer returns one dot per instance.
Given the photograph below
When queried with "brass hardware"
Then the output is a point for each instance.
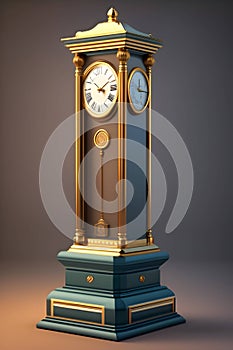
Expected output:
(78, 61)
(90, 279)
(149, 237)
(149, 61)
(142, 278)
(123, 55)
(112, 15)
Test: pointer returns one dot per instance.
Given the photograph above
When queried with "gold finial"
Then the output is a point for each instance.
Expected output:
(149, 61)
(112, 15)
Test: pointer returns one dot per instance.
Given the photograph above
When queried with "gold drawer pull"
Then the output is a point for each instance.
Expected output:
(142, 278)
(90, 279)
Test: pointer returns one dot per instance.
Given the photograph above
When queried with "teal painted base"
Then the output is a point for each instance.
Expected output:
(111, 297)
(110, 333)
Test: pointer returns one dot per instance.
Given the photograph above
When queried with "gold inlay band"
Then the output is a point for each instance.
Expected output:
(77, 306)
(150, 305)
(113, 44)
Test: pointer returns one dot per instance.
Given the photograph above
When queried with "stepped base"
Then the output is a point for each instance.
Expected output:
(111, 297)
(110, 333)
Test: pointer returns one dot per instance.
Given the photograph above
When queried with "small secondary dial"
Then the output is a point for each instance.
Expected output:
(138, 90)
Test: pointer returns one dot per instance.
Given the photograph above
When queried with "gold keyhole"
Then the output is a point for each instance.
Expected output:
(90, 279)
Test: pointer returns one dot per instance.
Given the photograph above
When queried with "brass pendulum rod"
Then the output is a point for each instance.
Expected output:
(149, 61)
(123, 56)
(79, 237)
(101, 141)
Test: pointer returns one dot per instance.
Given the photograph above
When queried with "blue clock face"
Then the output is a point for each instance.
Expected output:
(138, 90)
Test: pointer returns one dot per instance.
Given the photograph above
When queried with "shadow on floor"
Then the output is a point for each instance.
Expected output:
(199, 328)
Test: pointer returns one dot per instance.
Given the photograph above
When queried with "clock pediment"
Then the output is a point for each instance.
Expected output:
(111, 35)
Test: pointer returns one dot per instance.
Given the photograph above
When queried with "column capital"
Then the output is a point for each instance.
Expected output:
(123, 55)
(79, 61)
(149, 61)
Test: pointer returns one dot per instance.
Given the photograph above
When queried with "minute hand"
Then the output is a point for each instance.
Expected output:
(102, 88)
(140, 90)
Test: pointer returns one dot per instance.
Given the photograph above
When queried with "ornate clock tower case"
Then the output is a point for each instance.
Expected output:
(112, 286)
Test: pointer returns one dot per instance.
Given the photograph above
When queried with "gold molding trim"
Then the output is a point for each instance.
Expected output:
(114, 243)
(150, 305)
(111, 251)
(78, 306)
(108, 44)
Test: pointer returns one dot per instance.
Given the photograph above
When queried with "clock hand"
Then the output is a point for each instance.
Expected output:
(102, 88)
(140, 90)
(96, 85)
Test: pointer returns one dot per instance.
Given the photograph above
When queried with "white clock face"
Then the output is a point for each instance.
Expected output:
(100, 89)
(138, 90)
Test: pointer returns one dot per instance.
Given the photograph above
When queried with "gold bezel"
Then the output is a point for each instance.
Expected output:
(107, 136)
(85, 74)
(133, 71)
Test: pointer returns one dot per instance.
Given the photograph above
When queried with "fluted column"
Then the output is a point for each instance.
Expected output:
(123, 56)
(149, 61)
(79, 237)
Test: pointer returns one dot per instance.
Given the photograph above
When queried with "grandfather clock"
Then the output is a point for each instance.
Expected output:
(112, 287)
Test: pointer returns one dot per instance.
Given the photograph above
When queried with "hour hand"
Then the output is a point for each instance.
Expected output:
(102, 88)
(140, 90)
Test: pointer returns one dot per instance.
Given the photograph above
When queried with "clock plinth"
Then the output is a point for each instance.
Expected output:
(109, 296)
(112, 288)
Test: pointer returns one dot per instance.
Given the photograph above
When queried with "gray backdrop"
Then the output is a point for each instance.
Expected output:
(192, 87)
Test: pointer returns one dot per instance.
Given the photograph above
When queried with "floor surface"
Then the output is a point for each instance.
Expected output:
(204, 298)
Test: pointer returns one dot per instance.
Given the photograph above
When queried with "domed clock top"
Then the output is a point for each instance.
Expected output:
(112, 34)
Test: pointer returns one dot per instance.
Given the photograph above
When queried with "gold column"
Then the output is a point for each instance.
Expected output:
(79, 237)
(123, 56)
(149, 61)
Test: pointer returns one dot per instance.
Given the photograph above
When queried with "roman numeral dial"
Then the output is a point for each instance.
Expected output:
(100, 89)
